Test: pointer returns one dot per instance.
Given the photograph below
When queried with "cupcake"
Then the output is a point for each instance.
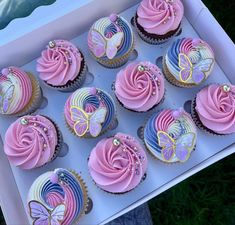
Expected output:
(57, 197)
(140, 86)
(157, 21)
(89, 112)
(117, 164)
(20, 93)
(213, 109)
(32, 141)
(62, 66)
(111, 41)
(170, 135)
(188, 62)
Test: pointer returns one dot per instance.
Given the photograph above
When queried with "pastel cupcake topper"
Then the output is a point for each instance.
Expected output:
(42, 215)
(194, 66)
(179, 146)
(89, 119)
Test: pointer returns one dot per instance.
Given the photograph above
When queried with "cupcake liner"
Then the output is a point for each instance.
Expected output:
(198, 123)
(155, 41)
(85, 194)
(76, 83)
(131, 110)
(171, 79)
(149, 151)
(119, 193)
(115, 63)
(35, 100)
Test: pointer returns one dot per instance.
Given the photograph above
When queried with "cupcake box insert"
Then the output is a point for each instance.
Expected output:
(198, 22)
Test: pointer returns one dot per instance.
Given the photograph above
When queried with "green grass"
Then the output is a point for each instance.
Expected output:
(205, 198)
(209, 196)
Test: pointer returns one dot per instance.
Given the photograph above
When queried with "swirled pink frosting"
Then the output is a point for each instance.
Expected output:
(216, 108)
(140, 90)
(160, 16)
(59, 64)
(30, 142)
(117, 168)
(164, 120)
(21, 92)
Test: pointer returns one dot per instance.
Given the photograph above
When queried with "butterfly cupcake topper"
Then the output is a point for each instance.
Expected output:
(103, 45)
(85, 122)
(43, 216)
(194, 71)
(180, 148)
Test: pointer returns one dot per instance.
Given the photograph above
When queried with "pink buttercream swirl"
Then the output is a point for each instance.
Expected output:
(160, 16)
(140, 86)
(59, 63)
(30, 142)
(117, 164)
(164, 120)
(215, 106)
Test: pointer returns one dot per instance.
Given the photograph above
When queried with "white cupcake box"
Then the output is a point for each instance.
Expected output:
(68, 20)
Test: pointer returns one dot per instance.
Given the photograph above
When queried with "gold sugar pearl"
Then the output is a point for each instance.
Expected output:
(116, 142)
(24, 121)
(141, 68)
(226, 88)
(52, 44)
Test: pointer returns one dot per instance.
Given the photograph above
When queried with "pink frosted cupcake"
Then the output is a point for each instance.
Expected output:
(214, 109)
(140, 86)
(62, 66)
(158, 20)
(32, 141)
(118, 164)
(20, 93)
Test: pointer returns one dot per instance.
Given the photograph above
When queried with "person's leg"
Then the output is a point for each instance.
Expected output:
(138, 216)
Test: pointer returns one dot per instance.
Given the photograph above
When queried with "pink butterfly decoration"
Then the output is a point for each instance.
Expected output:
(5, 98)
(196, 72)
(103, 45)
(43, 216)
(85, 122)
(181, 148)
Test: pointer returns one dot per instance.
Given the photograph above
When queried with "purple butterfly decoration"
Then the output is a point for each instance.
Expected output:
(196, 72)
(43, 216)
(5, 98)
(181, 148)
